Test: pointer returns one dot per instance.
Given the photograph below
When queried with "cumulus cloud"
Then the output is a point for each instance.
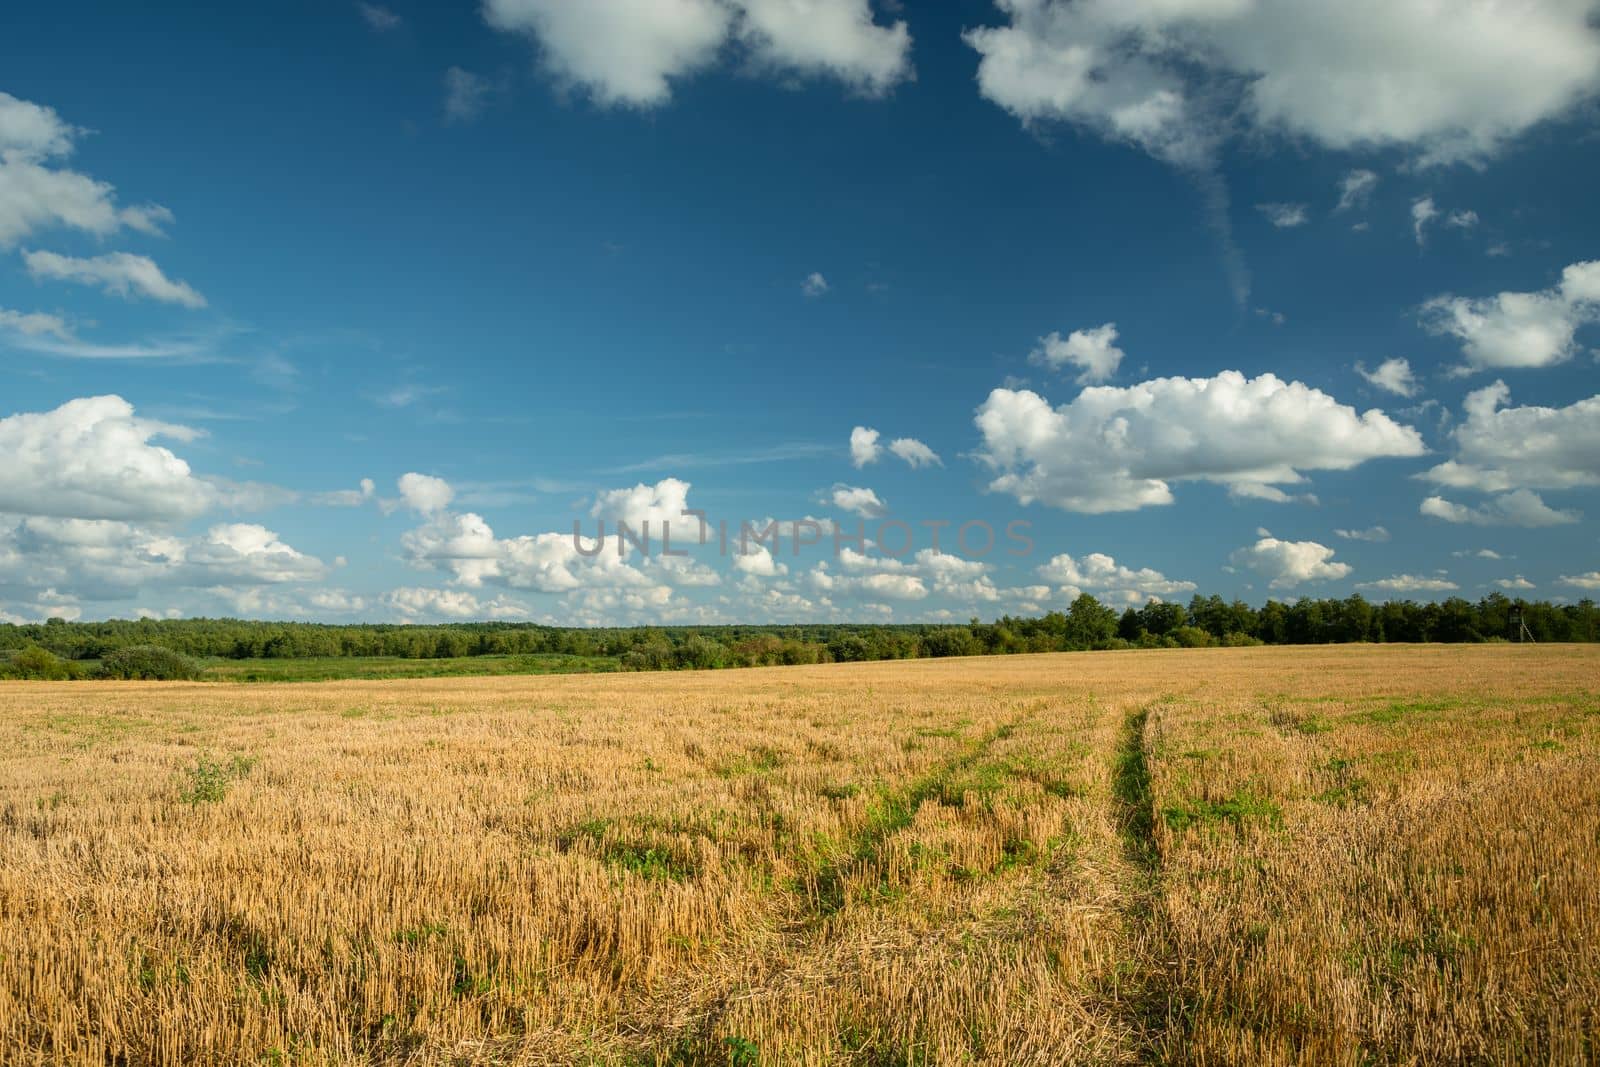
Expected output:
(424, 493)
(1523, 507)
(1285, 216)
(1591, 580)
(1392, 376)
(858, 501)
(121, 273)
(1409, 583)
(1518, 583)
(814, 284)
(412, 603)
(1103, 574)
(864, 447)
(1498, 447)
(105, 559)
(1094, 352)
(1519, 330)
(37, 193)
(916, 454)
(1462, 220)
(465, 546)
(629, 52)
(927, 572)
(658, 504)
(1290, 563)
(833, 38)
(1444, 82)
(1355, 190)
(1119, 449)
(1376, 534)
(93, 458)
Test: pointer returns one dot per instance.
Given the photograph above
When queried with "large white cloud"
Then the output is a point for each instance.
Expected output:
(121, 273)
(1118, 449)
(104, 559)
(630, 52)
(424, 493)
(92, 458)
(1520, 330)
(1290, 563)
(1499, 448)
(858, 500)
(36, 193)
(1447, 82)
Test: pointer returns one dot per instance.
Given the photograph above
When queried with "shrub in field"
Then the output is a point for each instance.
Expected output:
(37, 663)
(148, 663)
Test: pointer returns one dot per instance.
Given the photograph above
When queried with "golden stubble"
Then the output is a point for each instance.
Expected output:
(1249, 855)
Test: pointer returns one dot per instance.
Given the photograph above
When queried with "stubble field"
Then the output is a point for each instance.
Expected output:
(1296, 855)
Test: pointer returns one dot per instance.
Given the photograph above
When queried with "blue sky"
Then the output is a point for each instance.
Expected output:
(1211, 294)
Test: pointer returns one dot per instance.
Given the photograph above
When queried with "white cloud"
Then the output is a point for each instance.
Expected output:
(1100, 572)
(121, 273)
(464, 94)
(1290, 563)
(1285, 216)
(915, 453)
(34, 323)
(1590, 580)
(1117, 449)
(1094, 352)
(412, 603)
(1409, 583)
(1520, 329)
(864, 447)
(1392, 375)
(814, 284)
(658, 504)
(1376, 534)
(1519, 583)
(858, 501)
(424, 493)
(107, 559)
(757, 560)
(1523, 507)
(1423, 212)
(623, 52)
(1462, 220)
(1446, 82)
(835, 38)
(35, 195)
(1530, 447)
(1355, 190)
(92, 458)
(629, 52)
(378, 17)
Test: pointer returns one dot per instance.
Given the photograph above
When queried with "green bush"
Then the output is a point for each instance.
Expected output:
(148, 663)
(38, 663)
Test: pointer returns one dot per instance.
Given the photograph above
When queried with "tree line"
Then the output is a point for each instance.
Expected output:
(1086, 624)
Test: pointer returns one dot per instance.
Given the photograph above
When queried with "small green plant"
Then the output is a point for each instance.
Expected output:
(742, 1052)
(208, 780)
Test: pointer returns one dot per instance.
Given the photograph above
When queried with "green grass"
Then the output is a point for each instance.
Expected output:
(333, 668)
